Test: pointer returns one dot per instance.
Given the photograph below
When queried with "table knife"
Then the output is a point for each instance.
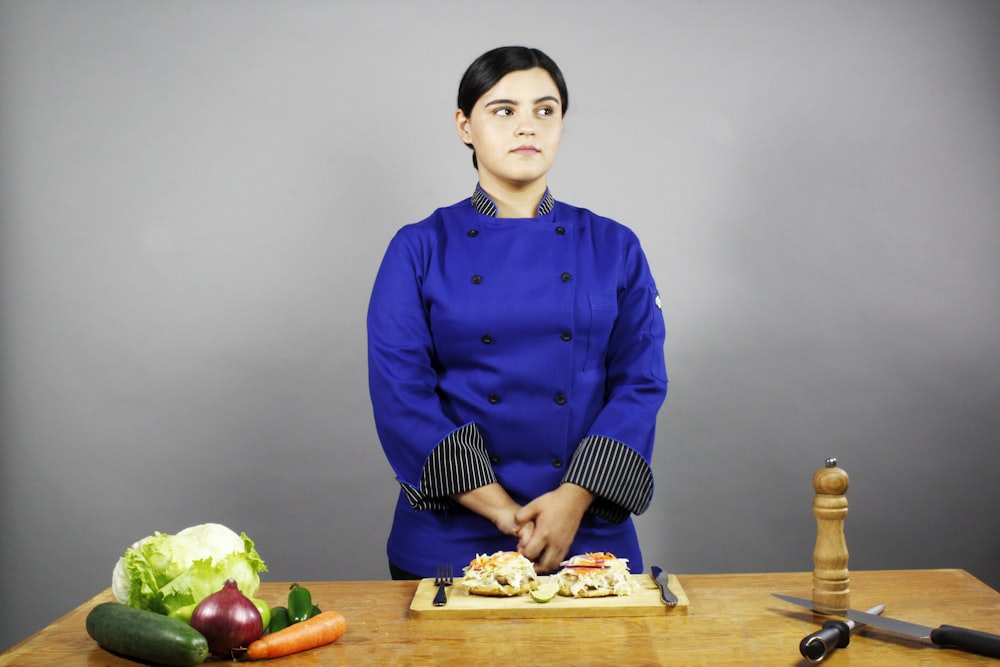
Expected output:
(835, 634)
(661, 579)
(946, 636)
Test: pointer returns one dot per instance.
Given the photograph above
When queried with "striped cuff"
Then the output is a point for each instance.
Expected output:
(458, 463)
(619, 477)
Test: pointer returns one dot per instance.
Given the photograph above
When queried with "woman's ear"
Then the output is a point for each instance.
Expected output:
(462, 125)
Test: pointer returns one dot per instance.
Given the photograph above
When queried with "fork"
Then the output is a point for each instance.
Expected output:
(442, 578)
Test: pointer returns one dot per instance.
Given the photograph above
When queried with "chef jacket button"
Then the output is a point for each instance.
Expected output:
(487, 339)
(566, 277)
(494, 459)
(561, 231)
(477, 279)
(560, 398)
(566, 336)
(472, 233)
(557, 462)
(493, 398)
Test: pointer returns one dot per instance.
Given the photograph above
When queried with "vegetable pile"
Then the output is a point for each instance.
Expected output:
(182, 597)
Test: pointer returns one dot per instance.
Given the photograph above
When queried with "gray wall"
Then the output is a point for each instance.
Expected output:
(195, 198)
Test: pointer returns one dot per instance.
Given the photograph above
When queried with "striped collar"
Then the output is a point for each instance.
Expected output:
(483, 204)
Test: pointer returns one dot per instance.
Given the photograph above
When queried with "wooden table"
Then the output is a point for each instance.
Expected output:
(732, 620)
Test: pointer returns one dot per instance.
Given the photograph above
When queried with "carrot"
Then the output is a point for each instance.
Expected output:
(323, 628)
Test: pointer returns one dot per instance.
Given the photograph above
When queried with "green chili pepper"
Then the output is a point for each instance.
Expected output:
(299, 603)
(315, 611)
(279, 619)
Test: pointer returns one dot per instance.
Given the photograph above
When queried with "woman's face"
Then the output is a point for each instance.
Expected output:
(515, 128)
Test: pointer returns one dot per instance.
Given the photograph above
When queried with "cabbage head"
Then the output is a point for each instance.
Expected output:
(162, 573)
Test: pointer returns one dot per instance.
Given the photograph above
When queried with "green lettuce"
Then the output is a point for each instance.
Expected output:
(163, 573)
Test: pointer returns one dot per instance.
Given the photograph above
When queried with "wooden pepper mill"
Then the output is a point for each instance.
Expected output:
(831, 580)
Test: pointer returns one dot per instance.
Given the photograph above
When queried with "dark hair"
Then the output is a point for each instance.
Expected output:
(487, 70)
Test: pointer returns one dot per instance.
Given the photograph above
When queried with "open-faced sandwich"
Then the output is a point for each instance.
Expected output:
(502, 574)
(594, 575)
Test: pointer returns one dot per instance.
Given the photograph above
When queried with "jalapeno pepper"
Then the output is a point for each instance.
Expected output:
(279, 619)
(299, 603)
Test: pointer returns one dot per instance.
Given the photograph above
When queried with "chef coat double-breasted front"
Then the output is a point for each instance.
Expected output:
(526, 351)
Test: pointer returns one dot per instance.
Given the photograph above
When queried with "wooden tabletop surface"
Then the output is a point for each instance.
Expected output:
(732, 620)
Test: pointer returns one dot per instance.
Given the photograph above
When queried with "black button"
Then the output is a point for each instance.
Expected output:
(566, 336)
(493, 398)
(473, 233)
(557, 462)
(561, 231)
(477, 279)
(487, 339)
(560, 398)
(566, 277)
(494, 459)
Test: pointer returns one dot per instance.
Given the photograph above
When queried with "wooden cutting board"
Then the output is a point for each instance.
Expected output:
(644, 602)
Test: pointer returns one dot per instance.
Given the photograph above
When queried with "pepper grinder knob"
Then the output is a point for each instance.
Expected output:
(831, 580)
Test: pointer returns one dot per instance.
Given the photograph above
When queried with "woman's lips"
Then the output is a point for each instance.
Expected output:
(526, 150)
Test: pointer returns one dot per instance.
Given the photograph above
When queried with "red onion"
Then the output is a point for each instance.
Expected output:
(228, 619)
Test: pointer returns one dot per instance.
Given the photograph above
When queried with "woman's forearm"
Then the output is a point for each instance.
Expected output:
(494, 503)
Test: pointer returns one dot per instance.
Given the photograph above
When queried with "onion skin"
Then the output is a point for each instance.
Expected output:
(228, 620)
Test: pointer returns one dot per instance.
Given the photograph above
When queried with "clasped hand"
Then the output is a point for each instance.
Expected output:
(549, 524)
(545, 528)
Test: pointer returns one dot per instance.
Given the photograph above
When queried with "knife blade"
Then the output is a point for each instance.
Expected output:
(834, 634)
(945, 636)
(661, 578)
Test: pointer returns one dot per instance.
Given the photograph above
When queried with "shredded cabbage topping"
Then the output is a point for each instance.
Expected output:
(595, 572)
(506, 568)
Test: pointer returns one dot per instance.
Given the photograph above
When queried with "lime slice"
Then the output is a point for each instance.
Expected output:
(545, 591)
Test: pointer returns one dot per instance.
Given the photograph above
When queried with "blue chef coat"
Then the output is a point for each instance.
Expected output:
(525, 337)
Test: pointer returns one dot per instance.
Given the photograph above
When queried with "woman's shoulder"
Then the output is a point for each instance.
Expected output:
(440, 218)
(423, 236)
(598, 223)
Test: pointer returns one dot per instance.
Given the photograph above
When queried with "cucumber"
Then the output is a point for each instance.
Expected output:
(146, 635)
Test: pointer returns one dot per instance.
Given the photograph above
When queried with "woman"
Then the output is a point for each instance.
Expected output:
(515, 349)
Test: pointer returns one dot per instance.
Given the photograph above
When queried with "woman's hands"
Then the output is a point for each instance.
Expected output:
(545, 527)
(554, 518)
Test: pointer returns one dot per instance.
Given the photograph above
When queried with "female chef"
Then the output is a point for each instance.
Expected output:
(515, 351)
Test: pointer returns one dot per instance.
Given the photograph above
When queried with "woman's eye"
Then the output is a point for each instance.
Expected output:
(503, 111)
(546, 111)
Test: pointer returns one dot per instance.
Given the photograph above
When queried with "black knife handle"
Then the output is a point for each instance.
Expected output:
(973, 641)
(818, 645)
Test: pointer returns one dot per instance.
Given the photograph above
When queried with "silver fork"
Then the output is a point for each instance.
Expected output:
(442, 578)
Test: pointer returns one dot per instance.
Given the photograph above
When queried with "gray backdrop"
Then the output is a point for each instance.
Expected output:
(195, 197)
